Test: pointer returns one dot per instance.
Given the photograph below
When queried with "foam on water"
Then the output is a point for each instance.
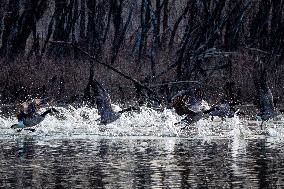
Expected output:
(83, 123)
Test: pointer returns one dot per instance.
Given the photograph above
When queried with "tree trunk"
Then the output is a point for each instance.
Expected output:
(185, 11)
(33, 11)
(82, 35)
(10, 23)
(96, 26)
(165, 21)
(66, 15)
(3, 8)
(60, 20)
(158, 16)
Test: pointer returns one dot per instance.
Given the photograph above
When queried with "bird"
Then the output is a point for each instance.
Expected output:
(190, 103)
(264, 99)
(222, 111)
(29, 116)
(226, 107)
(103, 103)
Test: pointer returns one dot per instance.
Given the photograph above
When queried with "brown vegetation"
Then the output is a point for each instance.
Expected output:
(153, 41)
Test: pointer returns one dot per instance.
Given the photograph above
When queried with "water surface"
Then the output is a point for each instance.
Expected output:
(141, 150)
(141, 163)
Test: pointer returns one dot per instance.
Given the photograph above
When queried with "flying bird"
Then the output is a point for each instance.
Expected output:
(190, 104)
(29, 116)
(103, 102)
(264, 99)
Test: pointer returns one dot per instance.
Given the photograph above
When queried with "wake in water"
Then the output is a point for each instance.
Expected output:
(84, 122)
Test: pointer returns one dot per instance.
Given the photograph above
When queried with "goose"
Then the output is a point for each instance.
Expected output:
(264, 99)
(29, 116)
(103, 103)
(194, 107)
(226, 107)
(191, 104)
(222, 111)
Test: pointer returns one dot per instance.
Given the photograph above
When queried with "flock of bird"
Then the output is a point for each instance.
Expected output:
(29, 115)
(188, 103)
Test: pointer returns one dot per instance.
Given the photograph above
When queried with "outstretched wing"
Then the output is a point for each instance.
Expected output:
(29, 108)
(197, 106)
(264, 97)
(179, 102)
(103, 102)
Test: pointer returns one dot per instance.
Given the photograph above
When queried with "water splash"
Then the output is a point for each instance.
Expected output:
(83, 123)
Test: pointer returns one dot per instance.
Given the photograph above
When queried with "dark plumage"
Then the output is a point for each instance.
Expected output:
(103, 102)
(226, 108)
(264, 98)
(191, 104)
(222, 111)
(28, 116)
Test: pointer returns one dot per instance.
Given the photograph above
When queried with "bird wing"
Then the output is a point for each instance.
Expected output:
(32, 106)
(264, 97)
(196, 106)
(103, 102)
(221, 110)
(28, 108)
(265, 104)
(41, 101)
(179, 102)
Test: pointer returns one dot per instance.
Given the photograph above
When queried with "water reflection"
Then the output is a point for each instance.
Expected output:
(141, 163)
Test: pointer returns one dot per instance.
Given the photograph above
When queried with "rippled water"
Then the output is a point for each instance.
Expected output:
(141, 150)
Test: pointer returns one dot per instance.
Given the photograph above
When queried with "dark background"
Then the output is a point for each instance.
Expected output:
(153, 41)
